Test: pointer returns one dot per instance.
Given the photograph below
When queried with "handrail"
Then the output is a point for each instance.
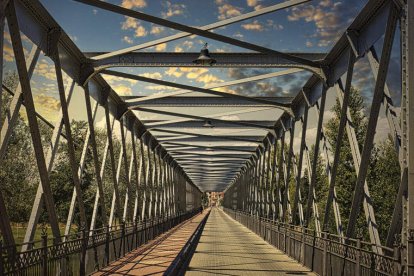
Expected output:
(327, 252)
(86, 251)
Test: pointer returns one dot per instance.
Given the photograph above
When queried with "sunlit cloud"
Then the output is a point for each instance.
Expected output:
(131, 4)
(155, 75)
(140, 31)
(173, 9)
(328, 18)
(8, 53)
(122, 90)
(132, 23)
(270, 23)
(193, 73)
(178, 49)
(112, 80)
(174, 71)
(209, 78)
(253, 26)
(188, 44)
(157, 30)
(45, 69)
(127, 39)
(252, 3)
(47, 106)
(161, 47)
(227, 10)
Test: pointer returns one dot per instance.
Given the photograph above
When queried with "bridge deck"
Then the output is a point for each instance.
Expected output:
(155, 258)
(228, 248)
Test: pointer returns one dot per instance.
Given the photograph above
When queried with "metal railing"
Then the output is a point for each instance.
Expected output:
(86, 251)
(325, 254)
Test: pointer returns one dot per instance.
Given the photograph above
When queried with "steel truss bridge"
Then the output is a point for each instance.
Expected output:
(176, 160)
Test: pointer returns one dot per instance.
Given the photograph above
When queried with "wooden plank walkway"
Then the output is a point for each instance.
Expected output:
(228, 248)
(155, 258)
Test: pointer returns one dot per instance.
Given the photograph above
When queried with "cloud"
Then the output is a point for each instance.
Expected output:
(174, 71)
(129, 23)
(132, 4)
(8, 53)
(226, 10)
(127, 39)
(178, 49)
(161, 47)
(270, 23)
(329, 18)
(280, 86)
(132, 23)
(47, 106)
(253, 26)
(209, 78)
(74, 38)
(252, 3)
(188, 44)
(113, 80)
(157, 30)
(238, 35)
(45, 69)
(173, 9)
(309, 44)
(140, 31)
(95, 11)
(193, 73)
(122, 90)
(155, 75)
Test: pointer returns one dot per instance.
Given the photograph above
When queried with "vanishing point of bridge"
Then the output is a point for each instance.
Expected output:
(206, 180)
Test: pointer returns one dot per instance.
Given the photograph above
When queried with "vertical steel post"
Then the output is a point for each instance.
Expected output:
(315, 158)
(287, 215)
(341, 129)
(372, 122)
(304, 121)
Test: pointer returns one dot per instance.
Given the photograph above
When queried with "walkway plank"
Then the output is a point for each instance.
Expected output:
(228, 248)
(155, 258)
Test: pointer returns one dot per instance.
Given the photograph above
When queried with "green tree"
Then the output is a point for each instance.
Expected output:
(18, 167)
(383, 171)
(383, 181)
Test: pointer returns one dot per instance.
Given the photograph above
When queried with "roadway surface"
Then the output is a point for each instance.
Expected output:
(228, 248)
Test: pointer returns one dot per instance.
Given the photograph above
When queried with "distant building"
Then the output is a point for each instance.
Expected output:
(215, 198)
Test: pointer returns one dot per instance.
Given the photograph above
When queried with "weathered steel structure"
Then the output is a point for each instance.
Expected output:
(182, 161)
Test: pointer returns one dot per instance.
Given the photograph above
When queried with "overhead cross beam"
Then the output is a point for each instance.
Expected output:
(244, 124)
(137, 100)
(206, 135)
(193, 30)
(283, 106)
(166, 144)
(185, 59)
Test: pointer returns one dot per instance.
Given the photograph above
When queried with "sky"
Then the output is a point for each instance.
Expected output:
(311, 27)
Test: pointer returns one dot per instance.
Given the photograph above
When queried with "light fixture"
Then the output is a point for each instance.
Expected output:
(208, 124)
(204, 58)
